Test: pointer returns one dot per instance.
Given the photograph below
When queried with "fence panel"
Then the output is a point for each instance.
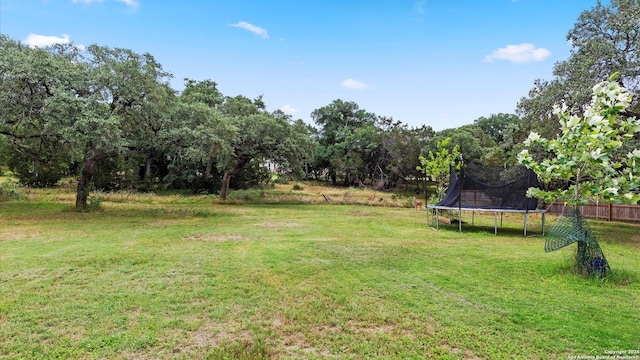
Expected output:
(610, 212)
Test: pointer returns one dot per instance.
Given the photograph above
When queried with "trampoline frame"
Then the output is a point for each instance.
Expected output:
(526, 213)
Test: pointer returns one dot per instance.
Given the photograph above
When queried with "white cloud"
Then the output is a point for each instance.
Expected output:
(253, 28)
(419, 6)
(520, 54)
(130, 3)
(288, 109)
(353, 84)
(35, 40)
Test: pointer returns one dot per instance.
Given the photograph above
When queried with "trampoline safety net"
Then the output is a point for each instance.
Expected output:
(482, 187)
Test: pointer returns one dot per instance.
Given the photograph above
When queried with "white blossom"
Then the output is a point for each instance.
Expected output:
(612, 190)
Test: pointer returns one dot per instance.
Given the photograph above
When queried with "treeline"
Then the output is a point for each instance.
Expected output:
(109, 117)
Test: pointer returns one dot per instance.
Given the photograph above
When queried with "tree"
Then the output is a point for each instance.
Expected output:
(496, 125)
(337, 122)
(403, 146)
(197, 135)
(104, 121)
(437, 166)
(146, 148)
(33, 84)
(474, 144)
(261, 136)
(586, 154)
(605, 40)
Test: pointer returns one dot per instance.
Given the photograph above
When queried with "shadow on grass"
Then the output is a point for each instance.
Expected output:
(490, 230)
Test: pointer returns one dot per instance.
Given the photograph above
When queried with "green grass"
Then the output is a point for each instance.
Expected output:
(187, 277)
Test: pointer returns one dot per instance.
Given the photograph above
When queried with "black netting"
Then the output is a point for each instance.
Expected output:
(572, 227)
(491, 188)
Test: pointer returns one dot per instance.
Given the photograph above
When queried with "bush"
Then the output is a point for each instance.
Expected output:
(279, 180)
(297, 187)
(246, 195)
(9, 191)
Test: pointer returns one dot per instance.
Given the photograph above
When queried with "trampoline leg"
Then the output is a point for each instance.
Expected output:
(437, 219)
(525, 224)
(495, 222)
(460, 221)
(543, 224)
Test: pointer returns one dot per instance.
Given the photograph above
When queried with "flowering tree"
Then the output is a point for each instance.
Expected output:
(587, 152)
(588, 155)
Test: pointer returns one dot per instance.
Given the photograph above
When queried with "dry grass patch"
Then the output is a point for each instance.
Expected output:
(18, 234)
(279, 224)
(166, 223)
(213, 237)
(216, 334)
(359, 212)
(467, 354)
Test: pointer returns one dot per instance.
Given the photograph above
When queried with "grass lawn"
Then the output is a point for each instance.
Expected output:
(148, 277)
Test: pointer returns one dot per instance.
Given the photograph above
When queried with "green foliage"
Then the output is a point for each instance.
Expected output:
(9, 190)
(262, 137)
(252, 175)
(587, 153)
(279, 179)
(113, 174)
(496, 125)
(250, 195)
(604, 40)
(437, 166)
(340, 146)
(471, 139)
(44, 169)
(297, 187)
(83, 107)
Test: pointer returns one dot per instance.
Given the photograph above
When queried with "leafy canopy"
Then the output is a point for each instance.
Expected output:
(436, 166)
(586, 153)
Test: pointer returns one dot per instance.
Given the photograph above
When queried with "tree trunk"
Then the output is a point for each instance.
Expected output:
(147, 179)
(84, 183)
(147, 170)
(36, 168)
(226, 178)
(581, 253)
(84, 186)
(208, 173)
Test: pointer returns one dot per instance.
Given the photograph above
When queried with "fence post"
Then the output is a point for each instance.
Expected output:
(610, 215)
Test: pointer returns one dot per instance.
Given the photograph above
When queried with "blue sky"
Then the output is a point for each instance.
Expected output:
(436, 62)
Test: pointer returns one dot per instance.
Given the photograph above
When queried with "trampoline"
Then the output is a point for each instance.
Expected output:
(490, 189)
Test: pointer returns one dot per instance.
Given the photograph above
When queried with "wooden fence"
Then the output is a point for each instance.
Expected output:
(609, 212)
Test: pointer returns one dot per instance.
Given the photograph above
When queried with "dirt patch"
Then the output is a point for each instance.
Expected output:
(165, 223)
(296, 344)
(467, 354)
(17, 234)
(212, 237)
(325, 329)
